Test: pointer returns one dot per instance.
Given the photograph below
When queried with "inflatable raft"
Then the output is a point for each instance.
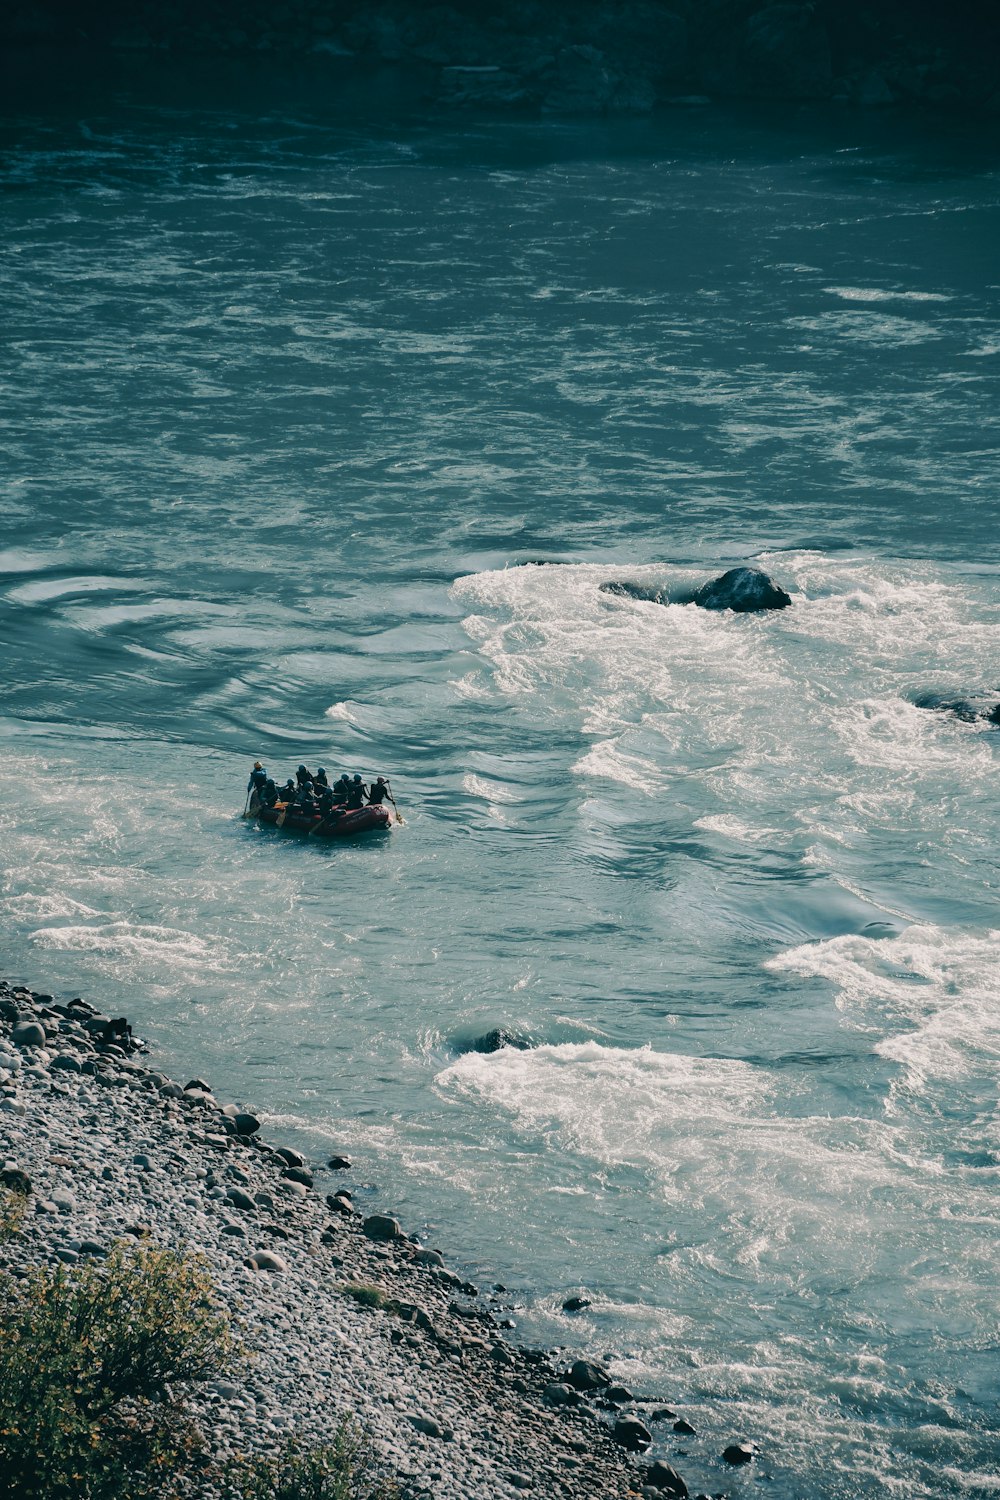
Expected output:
(336, 825)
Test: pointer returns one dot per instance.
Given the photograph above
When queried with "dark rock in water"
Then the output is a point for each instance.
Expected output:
(969, 710)
(500, 1037)
(684, 1429)
(587, 1377)
(289, 1157)
(618, 1395)
(246, 1124)
(737, 1454)
(632, 1434)
(380, 1227)
(339, 1164)
(198, 1085)
(662, 1477)
(639, 591)
(743, 590)
(576, 1304)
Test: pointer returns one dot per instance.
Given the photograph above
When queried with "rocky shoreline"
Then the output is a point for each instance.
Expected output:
(346, 1315)
(594, 57)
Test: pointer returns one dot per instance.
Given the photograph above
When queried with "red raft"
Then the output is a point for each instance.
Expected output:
(336, 825)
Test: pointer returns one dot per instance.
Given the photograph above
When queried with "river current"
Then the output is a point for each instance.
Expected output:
(322, 428)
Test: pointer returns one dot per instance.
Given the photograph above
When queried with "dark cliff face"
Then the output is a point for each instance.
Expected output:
(623, 56)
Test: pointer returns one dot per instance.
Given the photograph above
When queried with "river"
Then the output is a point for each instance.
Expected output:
(323, 421)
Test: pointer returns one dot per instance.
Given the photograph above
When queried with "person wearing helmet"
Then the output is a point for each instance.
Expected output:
(341, 785)
(258, 776)
(320, 778)
(268, 794)
(356, 794)
(303, 777)
(378, 792)
(287, 793)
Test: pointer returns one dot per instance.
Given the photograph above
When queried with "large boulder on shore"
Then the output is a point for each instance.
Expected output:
(744, 590)
(661, 1476)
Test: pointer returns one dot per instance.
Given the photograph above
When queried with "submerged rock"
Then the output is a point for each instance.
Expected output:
(969, 710)
(743, 590)
(738, 1454)
(499, 1037)
(640, 591)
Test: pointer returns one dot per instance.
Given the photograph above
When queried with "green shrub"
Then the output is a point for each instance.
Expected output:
(367, 1295)
(95, 1361)
(345, 1469)
(92, 1363)
(12, 1210)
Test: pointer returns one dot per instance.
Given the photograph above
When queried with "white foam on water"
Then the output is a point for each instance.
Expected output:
(43, 590)
(31, 906)
(794, 1250)
(733, 827)
(134, 941)
(878, 294)
(341, 711)
(797, 720)
(489, 791)
(606, 759)
(928, 997)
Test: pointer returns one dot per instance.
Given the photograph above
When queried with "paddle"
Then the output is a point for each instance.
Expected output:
(323, 820)
(399, 815)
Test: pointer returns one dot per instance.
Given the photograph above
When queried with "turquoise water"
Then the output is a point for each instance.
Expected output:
(322, 429)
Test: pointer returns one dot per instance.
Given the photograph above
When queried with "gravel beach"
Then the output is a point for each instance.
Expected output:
(114, 1149)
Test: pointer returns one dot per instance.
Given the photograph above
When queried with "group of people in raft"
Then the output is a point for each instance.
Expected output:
(309, 794)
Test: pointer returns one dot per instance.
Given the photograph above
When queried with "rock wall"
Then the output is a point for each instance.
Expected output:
(622, 56)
